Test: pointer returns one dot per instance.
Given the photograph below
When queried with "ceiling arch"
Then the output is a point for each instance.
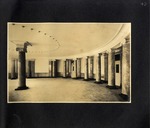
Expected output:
(61, 39)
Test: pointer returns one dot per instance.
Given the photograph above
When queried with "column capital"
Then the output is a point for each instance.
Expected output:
(23, 47)
(89, 56)
(74, 59)
(20, 49)
(86, 57)
(111, 50)
(105, 53)
(98, 54)
(127, 39)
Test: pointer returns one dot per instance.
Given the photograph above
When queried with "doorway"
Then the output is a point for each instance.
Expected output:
(117, 70)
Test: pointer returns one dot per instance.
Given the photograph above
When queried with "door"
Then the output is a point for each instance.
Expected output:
(117, 73)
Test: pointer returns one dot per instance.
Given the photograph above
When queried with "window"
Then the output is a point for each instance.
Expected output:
(117, 68)
(117, 57)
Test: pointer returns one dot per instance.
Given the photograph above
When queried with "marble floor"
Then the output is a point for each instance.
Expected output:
(50, 90)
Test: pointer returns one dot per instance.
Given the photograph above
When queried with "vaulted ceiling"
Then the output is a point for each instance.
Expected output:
(60, 39)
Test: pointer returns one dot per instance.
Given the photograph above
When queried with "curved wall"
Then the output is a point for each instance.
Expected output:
(92, 64)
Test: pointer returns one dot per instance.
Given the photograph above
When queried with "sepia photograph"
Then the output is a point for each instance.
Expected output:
(78, 62)
(74, 64)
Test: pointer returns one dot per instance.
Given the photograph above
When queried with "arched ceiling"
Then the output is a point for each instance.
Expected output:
(60, 39)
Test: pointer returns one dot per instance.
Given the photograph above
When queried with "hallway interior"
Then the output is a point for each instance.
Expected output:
(62, 90)
(53, 66)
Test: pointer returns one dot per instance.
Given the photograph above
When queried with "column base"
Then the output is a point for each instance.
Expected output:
(91, 78)
(22, 88)
(111, 87)
(64, 77)
(13, 78)
(98, 82)
(124, 97)
(74, 78)
(85, 79)
(77, 78)
(105, 81)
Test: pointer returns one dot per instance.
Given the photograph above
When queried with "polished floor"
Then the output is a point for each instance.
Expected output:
(62, 90)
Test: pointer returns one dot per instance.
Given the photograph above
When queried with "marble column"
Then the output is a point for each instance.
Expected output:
(13, 76)
(121, 67)
(98, 68)
(111, 68)
(54, 68)
(70, 67)
(78, 67)
(28, 68)
(91, 65)
(22, 49)
(64, 68)
(126, 67)
(67, 68)
(16, 68)
(86, 69)
(22, 71)
(50, 68)
(105, 67)
(33, 68)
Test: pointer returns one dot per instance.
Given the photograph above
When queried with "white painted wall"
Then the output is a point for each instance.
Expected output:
(82, 65)
(41, 65)
(9, 66)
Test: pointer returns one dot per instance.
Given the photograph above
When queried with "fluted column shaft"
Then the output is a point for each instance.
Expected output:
(86, 69)
(126, 68)
(98, 68)
(78, 67)
(64, 68)
(22, 71)
(90, 64)
(54, 68)
(111, 68)
(105, 67)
